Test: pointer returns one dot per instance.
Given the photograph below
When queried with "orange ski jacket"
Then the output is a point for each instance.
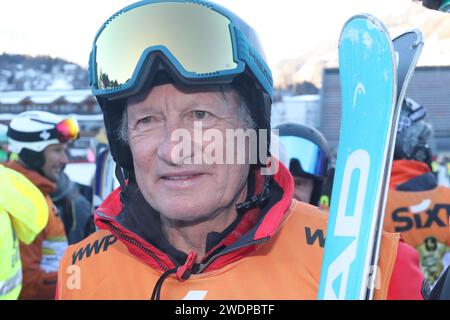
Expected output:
(419, 209)
(278, 256)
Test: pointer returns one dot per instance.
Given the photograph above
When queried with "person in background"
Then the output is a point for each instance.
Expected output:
(327, 190)
(23, 215)
(441, 289)
(74, 208)
(105, 180)
(417, 207)
(307, 151)
(40, 141)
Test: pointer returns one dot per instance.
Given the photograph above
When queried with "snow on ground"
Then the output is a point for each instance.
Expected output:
(81, 172)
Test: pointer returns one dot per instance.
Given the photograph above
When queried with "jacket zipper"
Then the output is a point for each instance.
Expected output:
(211, 260)
(137, 244)
(202, 266)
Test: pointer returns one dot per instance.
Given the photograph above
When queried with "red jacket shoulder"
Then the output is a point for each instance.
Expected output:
(407, 277)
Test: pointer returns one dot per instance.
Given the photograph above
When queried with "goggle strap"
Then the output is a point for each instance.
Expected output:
(256, 201)
(120, 175)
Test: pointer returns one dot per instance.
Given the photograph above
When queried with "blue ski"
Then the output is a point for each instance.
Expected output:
(371, 73)
(369, 99)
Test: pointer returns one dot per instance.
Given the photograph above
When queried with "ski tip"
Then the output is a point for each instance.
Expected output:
(372, 23)
(420, 38)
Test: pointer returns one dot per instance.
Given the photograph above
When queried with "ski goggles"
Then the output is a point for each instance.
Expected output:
(203, 42)
(312, 159)
(67, 130)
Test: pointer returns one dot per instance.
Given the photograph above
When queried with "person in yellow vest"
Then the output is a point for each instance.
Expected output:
(185, 223)
(23, 215)
(40, 141)
(417, 206)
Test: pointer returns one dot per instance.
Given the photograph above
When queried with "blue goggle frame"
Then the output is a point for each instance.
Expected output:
(244, 54)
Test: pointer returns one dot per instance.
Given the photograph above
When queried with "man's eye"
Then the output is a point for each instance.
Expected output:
(200, 115)
(145, 120)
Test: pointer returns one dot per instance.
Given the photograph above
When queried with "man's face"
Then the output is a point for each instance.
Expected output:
(303, 189)
(179, 191)
(55, 156)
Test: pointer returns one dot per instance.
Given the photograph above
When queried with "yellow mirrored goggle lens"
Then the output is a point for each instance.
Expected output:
(67, 130)
(198, 37)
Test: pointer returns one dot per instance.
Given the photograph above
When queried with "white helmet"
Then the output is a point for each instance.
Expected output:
(35, 130)
(32, 130)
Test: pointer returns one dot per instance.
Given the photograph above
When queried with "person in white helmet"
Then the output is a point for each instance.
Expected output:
(40, 141)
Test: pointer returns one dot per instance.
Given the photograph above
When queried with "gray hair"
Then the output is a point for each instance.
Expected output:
(244, 114)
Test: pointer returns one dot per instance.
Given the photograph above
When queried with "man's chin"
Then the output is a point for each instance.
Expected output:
(54, 176)
(185, 214)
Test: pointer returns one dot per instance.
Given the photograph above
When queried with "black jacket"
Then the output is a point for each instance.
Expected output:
(75, 210)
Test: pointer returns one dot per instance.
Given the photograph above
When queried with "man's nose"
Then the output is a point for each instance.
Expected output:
(175, 146)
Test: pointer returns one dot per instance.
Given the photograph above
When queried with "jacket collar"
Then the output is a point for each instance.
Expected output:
(256, 226)
(410, 175)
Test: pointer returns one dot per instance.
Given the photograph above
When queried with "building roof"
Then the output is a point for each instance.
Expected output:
(44, 97)
(79, 117)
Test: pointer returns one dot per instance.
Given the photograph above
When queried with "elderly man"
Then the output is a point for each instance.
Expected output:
(182, 226)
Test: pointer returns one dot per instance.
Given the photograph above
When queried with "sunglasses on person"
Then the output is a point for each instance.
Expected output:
(311, 158)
